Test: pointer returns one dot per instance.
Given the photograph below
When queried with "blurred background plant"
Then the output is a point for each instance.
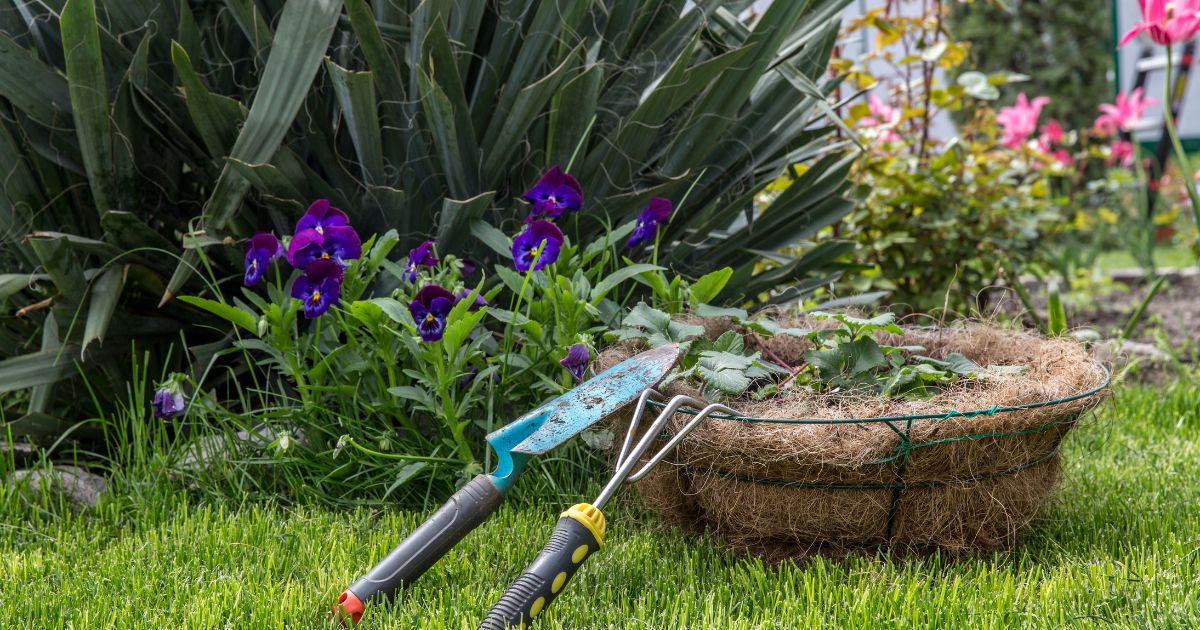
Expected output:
(137, 136)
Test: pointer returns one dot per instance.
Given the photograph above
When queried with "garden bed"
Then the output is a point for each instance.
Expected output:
(963, 470)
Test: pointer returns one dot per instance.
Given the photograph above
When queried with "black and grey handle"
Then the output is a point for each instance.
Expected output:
(579, 534)
(464, 512)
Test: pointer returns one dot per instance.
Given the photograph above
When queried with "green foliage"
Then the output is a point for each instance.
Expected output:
(938, 234)
(849, 358)
(154, 135)
(1064, 47)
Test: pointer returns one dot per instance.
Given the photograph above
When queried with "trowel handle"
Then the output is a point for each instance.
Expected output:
(424, 547)
(579, 534)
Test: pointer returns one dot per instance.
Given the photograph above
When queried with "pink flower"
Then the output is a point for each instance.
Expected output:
(1166, 21)
(1020, 120)
(1122, 153)
(1052, 134)
(1062, 156)
(882, 115)
(1125, 114)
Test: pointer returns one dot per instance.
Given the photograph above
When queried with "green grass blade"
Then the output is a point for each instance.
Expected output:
(1056, 314)
(1136, 317)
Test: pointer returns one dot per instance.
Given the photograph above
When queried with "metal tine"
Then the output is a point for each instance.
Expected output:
(633, 424)
(677, 438)
(630, 459)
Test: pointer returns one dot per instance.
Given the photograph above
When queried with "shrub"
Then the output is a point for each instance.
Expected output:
(142, 141)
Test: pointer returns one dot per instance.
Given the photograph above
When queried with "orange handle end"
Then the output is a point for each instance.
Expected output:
(349, 606)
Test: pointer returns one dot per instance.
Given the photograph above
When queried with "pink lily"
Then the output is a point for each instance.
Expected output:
(1166, 21)
(1052, 134)
(1020, 120)
(1125, 114)
(1121, 153)
(882, 115)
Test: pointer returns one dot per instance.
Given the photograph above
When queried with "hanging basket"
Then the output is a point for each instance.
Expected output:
(800, 473)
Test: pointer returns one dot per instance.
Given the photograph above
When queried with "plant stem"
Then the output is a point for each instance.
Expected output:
(1189, 181)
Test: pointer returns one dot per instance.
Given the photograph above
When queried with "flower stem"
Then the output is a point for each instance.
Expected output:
(1189, 178)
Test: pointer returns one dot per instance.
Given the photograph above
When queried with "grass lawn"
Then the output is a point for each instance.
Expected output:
(1120, 548)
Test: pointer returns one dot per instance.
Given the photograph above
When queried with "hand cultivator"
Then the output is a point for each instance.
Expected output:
(580, 531)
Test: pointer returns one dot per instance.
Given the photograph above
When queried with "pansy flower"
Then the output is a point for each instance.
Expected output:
(420, 256)
(537, 246)
(553, 194)
(576, 360)
(168, 401)
(261, 250)
(319, 288)
(337, 243)
(322, 216)
(655, 214)
(429, 309)
(477, 304)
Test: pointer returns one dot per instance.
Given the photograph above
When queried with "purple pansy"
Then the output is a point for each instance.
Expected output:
(553, 194)
(429, 309)
(468, 267)
(319, 288)
(479, 302)
(576, 360)
(321, 216)
(168, 402)
(261, 250)
(420, 256)
(537, 246)
(656, 213)
(338, 243)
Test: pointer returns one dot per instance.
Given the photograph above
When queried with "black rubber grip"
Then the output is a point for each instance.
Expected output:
(429, 542)
(545, 579)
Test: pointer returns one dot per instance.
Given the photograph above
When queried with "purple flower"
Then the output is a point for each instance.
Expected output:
(321, 216)
(429, 310)
(656, 213)
(468, 267)
(261, 250)
(338, 243)
(168, 401)
(319, 288)
(421, 256)
(537, 246)
(576, 360)
(466, 293)
(553, 194)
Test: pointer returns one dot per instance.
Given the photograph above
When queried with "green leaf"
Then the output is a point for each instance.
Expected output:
(659, 326)
(106, 292)
(459, 327)
(89, 98)
(355, 93)
(615, 278)
(1056, 317)
(39, 368)
(709, 286)
(708, 310)
(491, 236)
(231, 314)
(457, 215)
(216, 118)
(395, 310)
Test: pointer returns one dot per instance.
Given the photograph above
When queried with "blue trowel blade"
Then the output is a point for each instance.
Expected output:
(599, 397)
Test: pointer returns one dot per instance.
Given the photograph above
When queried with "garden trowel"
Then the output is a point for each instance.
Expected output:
(532, 434)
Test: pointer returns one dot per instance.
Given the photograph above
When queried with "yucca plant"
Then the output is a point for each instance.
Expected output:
(142, 139)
